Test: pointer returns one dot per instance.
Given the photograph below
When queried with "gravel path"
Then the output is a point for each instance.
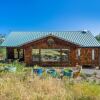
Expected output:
(91, 71)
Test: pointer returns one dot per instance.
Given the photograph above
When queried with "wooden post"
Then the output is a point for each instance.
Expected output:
(18, 52)
(99, 57)
(68, 56)
(23, 53)
(61, 57)
(40, 56)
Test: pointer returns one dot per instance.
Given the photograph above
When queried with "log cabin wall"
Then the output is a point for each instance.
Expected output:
(28, 55)
(58, 44)
(85, 53)
(73, 58)
(42, 44)
(86, 56)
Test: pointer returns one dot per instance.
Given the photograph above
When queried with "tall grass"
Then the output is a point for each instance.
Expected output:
(24, 86)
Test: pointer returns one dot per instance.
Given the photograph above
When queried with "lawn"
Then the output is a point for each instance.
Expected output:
(24, 85)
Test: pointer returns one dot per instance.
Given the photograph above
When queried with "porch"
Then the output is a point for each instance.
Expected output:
(42, 57)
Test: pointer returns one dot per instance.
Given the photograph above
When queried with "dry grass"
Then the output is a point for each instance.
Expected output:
(22, 86)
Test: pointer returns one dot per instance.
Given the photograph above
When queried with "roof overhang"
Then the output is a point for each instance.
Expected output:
(50, 35)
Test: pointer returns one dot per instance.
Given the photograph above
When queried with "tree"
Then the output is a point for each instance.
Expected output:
(2, 38)
(98, 37)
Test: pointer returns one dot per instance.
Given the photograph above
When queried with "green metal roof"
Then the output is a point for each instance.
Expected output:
(82, 38)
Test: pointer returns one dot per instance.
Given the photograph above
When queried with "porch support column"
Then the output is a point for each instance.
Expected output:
(23, 53)
(99, 57)
(40, 56)
(61, 57)
(18, 52)
(28, 55)
(68, 52)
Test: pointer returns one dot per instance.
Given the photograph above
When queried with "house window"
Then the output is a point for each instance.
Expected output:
(50, 55)
(78, 53)
(21, 53)
(18, 53)
(65, 56)
(35, 54)
(15, 54)
(93, 55)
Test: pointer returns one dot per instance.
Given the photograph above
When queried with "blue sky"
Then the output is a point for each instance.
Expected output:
(49, 15)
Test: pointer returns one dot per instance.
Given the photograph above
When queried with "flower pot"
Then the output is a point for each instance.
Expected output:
(38, 71)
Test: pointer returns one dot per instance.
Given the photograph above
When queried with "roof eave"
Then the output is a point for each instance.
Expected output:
(90, 46)
(48, 36)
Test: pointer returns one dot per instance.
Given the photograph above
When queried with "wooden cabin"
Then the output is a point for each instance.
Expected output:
(53, 48)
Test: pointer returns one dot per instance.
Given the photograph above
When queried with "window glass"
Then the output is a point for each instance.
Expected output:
(53, 55)
(65, 55)
(21, 53)
(15, 53)
(35, 54)
(50, 55)
(93, 56)
(78, 53)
